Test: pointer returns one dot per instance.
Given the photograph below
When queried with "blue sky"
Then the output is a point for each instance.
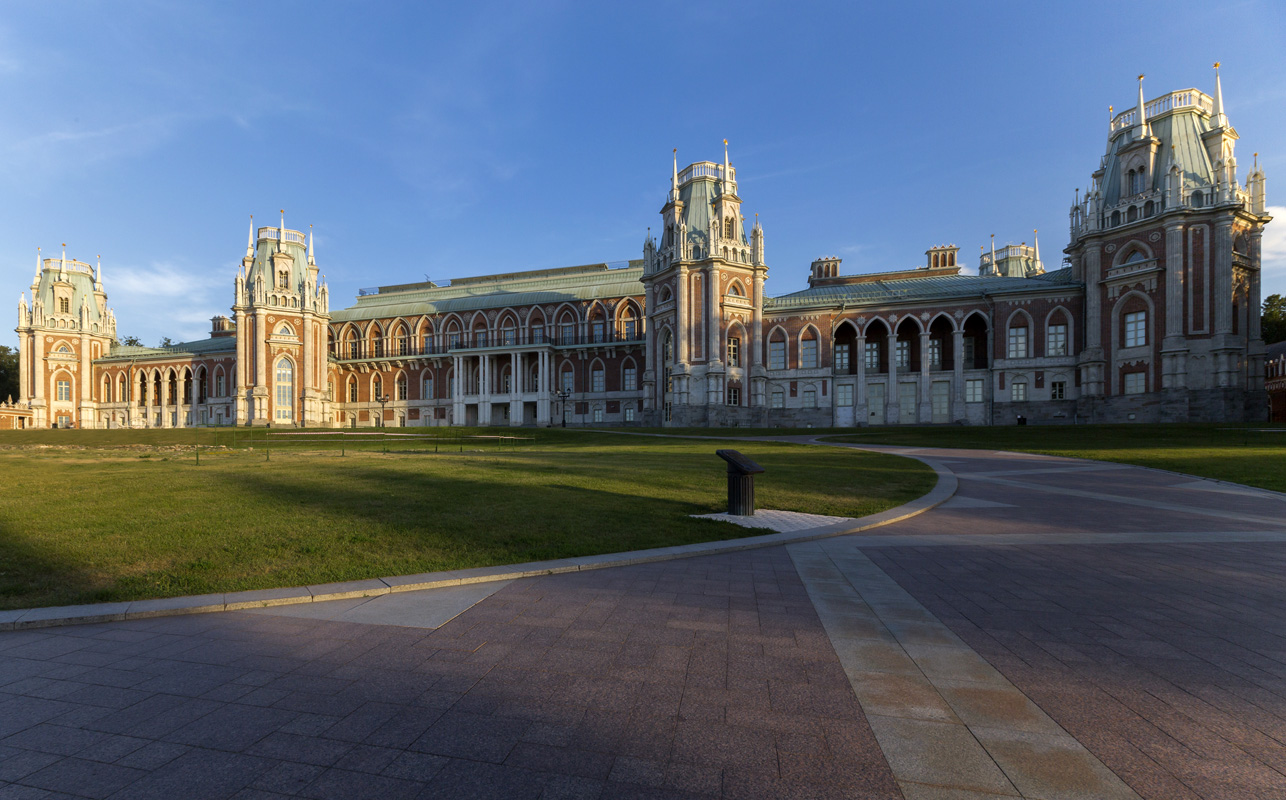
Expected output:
(448, 140)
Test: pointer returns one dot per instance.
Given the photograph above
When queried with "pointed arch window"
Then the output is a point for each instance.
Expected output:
(597, 378)
(401, 387)
(728, 227)
(808, 350)
(285, 385)
(352, 390)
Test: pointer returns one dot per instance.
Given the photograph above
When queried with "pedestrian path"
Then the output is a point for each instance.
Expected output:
(1057, 629)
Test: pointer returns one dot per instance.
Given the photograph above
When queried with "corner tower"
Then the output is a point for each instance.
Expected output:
(282, 312)
(704, 297)
(65, 328)
(1167, 243)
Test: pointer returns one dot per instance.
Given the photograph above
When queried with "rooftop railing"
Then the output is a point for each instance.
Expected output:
(362, 350)
(1186, 98)
(275, 233)
(703, 169)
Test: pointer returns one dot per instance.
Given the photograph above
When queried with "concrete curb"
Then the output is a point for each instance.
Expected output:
(29, 618)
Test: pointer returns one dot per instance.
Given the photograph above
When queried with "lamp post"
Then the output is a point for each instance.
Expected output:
(383, 401)
(563, 394)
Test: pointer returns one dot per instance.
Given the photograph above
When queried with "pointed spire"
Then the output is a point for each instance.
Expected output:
(1142, 121)
(281, 232)
(250, 239)
(993, 253)
(727, 173)
(311, 260)
(98, 273)
(1220, 119)
(40, 265)
(674, 181)
(1036, 242)
(62, 265)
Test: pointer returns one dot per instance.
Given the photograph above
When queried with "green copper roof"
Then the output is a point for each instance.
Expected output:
(919, 290)
(1180, 133)
(541, 287)
(180, 349)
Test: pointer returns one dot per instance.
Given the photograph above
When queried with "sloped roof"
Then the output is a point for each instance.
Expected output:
(195, 348)
(926, 289)
(542, 287)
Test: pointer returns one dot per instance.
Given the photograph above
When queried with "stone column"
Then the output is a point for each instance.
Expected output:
(25, 362)
(1092, 358)
(1174, 348)
(925, 408)
(957, 375)
(239, 374)
(306, 382)
(861, 413)
(893, 408)
(681, 317)
(38, 365)
(1223, 344)
(714, 321)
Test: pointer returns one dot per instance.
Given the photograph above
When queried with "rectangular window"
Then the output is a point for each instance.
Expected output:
(480, 339)
(628, 330)
(873, 355)
(596, 380)
(566, 378)
(1018, 392)
(511, 337)
(629, 413)
(352, 392)
(970, 351)
(64, 390)
(401, 389)
(904, 355)
(1057, 341)
(630, 379)
(973, 390)
(667, 412)
(734, 351)
(596, 327)
(1058, 390)
(598, 414)
(218, 386)
(935, 354)
(808, 354)
(567, 333)
(1136, 329)
(810, 398)
(453, 341)
(538, 335)
(1136, 382)
(844, 395)
(778, 398)
(841, 358)
(777, 355)
(734, 396)
(1018, 341)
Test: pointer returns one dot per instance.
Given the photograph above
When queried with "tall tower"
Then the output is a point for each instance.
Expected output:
(1168, 245)
(704, 297)
(65, 328)
(282, 313)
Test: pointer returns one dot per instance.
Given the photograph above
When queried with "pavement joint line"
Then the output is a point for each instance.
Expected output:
(1131, 501)
(953, 721)
(24, 619)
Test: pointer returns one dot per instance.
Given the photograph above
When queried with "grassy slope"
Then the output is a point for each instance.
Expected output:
(112, 523)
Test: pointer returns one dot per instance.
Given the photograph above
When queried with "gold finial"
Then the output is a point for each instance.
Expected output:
(725, 141)
(1033, 230)
(1216, 65)
(1140, 76)
(64, 244)
(676, 150)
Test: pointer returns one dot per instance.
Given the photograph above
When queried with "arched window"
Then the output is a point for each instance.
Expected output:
(1018, 340)
(285, 406)
(566, 379)
(1198, 199)
(808, 350)
(1131, 214)
(597, 378)
(377, 388)
(352, 389)
(777, 350)
(401, 387)
(285, 330)
(428, 386)
(728, 227)
(1116, 218)
(735, 290)
(64, 305)
(1137, 255)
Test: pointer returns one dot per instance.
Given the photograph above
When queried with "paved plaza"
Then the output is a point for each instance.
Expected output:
(1057, 629)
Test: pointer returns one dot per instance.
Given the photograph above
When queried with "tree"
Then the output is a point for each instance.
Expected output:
(166, 342)
(1273, 319)
(9, 386)
(131, 341)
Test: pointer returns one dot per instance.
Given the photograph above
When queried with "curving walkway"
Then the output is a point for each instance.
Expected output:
(1057, 629)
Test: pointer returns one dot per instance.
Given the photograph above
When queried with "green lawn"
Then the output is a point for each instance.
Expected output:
(90, 516)
(1251, 454)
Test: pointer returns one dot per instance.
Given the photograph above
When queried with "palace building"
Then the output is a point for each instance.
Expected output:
(1152, 315)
